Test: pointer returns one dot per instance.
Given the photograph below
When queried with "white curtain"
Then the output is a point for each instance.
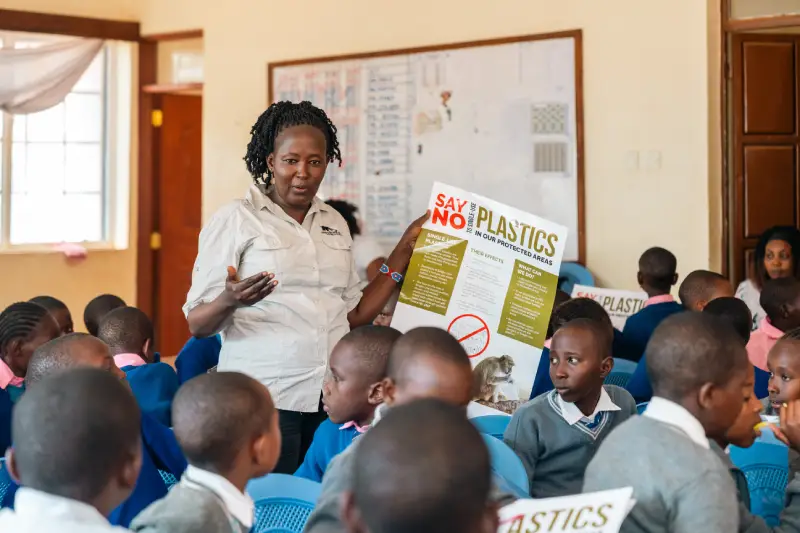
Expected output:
(35, 79)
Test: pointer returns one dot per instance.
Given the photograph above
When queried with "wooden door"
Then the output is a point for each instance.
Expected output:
(179, 215)
(765, 138)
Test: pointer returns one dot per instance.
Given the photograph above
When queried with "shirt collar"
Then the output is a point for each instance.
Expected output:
(769, 330)
(573, 415)
(548, 342)
(678, 418)
(240, 505)
(663, 299)
(352, 424)
(128, 359)
(7, 377)
(36, 504)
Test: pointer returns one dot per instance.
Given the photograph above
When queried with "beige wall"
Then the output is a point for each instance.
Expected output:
(23, 276)
(165, 51)
(647, 88)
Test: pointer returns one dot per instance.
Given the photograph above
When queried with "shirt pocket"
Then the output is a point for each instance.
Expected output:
(336, 262)
(265, 253)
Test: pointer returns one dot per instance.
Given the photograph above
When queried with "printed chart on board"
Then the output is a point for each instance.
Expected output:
(497, 120)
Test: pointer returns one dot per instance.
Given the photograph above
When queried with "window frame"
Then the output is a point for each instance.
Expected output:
(116, 151)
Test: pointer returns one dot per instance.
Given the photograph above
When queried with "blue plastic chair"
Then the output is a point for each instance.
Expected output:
(5, 479)
(507, 464)
(621, 373)
(283, 503)
(169, 479)
(642, 407)
(494, 425)
(572, 274)
(766, 467)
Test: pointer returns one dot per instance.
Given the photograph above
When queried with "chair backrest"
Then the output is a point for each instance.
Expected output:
(640, 408)
(621, 373)
(506, 463)
(494, 425)
(5, 479)
(572, 274)
(283, 503)
(766, 467)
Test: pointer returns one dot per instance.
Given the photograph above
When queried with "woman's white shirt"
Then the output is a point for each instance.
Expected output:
(749, 294)
(284, 340)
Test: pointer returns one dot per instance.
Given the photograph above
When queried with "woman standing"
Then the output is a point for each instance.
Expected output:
(275, 273)
(775, 257)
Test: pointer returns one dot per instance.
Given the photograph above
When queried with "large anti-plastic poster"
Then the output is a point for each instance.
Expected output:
(488, 273)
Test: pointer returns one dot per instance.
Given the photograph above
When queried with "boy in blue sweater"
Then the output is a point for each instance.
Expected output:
(656, 276)
(557, 434)
(128, 333)
(160, 450)
(197, 357)
(351, 391)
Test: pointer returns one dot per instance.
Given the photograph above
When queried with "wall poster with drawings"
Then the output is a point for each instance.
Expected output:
(500, 118)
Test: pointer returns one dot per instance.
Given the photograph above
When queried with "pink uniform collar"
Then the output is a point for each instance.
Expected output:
(128, 359)
(663, 299)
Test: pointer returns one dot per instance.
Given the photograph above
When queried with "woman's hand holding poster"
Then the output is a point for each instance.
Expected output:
(488, 273)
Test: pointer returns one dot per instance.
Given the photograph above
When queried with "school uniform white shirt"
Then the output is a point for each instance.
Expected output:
(572, 414)
(238, 504)
(39, 512)
(284, 340)
(677, 418)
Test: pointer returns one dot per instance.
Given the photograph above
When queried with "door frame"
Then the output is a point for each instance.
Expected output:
(728, 28)
(149, 153)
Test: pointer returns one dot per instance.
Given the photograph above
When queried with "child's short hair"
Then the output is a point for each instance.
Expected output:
(578, 308)
(48, 302)
(597, 329)
(424, 342)
(99, 307)
(690, 349)
(19, 320)
(214, 415)
(434, 480)
(699, 286)
(73, 432)
(371, 345)
(658, 266)
(57, 355)
(777, 294)
(733, 311)
(125, 330)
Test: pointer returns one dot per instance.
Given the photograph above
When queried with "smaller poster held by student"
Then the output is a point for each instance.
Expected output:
(488, 274)
(618, 304)
(596, 512)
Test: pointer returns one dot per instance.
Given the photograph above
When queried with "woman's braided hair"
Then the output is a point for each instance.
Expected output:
(272, 122)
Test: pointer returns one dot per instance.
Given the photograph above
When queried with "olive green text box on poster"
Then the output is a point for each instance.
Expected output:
(431, 275)
(528, 304)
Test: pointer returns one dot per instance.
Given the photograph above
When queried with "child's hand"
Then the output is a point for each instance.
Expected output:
(790, 424)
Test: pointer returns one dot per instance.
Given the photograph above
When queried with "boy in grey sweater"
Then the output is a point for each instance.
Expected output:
(424, 363)
(432, 488)
(698, 369)
(557, 434)
(227, 426)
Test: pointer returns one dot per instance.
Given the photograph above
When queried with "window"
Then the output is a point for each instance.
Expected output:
(59, 166)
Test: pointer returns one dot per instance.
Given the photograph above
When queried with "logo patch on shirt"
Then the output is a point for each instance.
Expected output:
(327, 230)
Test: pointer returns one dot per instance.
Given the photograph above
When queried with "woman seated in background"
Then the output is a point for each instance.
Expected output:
(367, 252)
(773, 258)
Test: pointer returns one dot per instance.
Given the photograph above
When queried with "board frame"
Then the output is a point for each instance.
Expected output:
(576, 35)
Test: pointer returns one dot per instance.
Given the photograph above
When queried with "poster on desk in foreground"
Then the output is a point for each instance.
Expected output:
(488, 274)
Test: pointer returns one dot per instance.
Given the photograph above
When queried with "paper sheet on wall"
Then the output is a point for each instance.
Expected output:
(597, 512)
(618, 304)
(488, 273)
